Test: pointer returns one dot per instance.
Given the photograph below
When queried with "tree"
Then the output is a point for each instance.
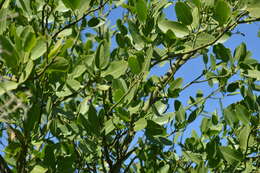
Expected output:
(77, 94)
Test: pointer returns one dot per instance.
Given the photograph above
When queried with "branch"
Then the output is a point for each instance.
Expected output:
(78, 20)
(249, 21)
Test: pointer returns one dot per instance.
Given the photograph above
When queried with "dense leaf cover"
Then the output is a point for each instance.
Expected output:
(77, 95)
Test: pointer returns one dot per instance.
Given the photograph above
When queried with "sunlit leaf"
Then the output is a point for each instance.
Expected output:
(178, 29)
(115, 69)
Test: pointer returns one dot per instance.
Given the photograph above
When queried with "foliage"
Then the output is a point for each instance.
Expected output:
(77, 95)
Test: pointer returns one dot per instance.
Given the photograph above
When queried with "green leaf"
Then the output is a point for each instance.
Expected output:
(243, 137)
(243, 114)
(165, 118)
(119, 84)
(212, 62)
(203, 39)
(103, 87)
(39, 169)
(204, 126)
(208, 3)
(183, 12)
(32, 118)
(140, 124)
(6, 86)
(78, 71)
(55, 50)
(230, 116)
(254, 8)
(9, 53)
(3, 21)
(193, 115)
(141, 10)
(109, 127)
(180, 114)
(27, 71)
(240, 52)
(178, 29)
(120, 40)
(197, 3)
(72, 4)
(155, 130)
(253, 74)
(121, 27)
(117, 94)
(176, 83)
(222, 12)
(196, 18)
(39, 49)
(93, 22)
(164, 169)
(115, 69)
(102, 55)
(59, 64)
(232, 87)
(192, 156)
(65, 33)
(134, 64)
(29, 42)
(222, 52)
(93, 118)
(137, 39)
(230, 155)
(73, 85)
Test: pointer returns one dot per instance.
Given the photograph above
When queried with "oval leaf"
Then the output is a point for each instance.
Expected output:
(141, 10)
(178, 29)
(134, 65)
(222, 12)
(116, 69)
(183, 12)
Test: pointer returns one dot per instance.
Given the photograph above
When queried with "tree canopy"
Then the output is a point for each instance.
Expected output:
(77, 93)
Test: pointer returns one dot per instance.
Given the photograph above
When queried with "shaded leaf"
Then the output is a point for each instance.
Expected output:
(230, 155)
(222, 12)
(183, 12)
(134, 64)
(141, 10)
